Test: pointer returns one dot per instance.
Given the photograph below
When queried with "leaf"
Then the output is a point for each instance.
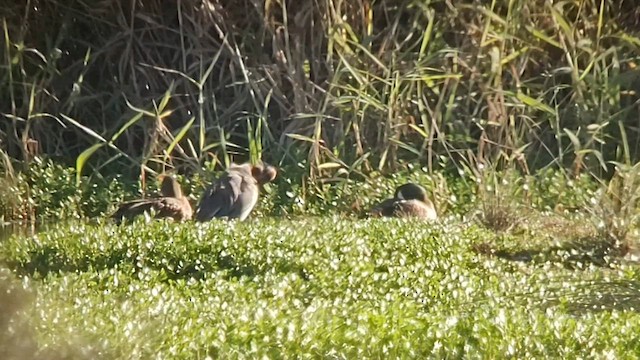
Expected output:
(597, 154)
(540, 35)
(631, 39)
(625, 144)
(132, 121)
(562, 23)
(329, 165)
(513, 55)
(84, 128)
(427, 35)
(145, 112)
(574, 139)
(179, 137)
(165, 99)
(419, 130)
(81, 160)
(529, 101)
(406, 147)
(301, 137)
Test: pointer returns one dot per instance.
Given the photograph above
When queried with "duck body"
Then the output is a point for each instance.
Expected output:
(163, 207)
(234, 194)
(171, 205)
(409, 201)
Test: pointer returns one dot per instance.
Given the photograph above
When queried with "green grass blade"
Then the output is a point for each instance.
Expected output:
(82, 160)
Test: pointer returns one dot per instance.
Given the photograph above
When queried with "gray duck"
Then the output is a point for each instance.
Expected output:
(235, 193)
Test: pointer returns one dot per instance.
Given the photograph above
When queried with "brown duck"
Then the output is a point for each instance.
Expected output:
(172, 204)
(235, 193)
(410, 201)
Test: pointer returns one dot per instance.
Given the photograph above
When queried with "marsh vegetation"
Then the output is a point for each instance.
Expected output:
(520, 118)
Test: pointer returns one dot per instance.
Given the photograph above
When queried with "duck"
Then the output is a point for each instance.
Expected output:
(172, 204)
(410, 201)
(235, 193)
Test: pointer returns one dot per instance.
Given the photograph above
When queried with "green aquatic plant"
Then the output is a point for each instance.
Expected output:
(316, 287)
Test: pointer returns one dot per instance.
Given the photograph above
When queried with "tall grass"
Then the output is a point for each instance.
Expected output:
(346, 83)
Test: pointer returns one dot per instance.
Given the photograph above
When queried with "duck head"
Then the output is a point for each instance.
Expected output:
(409, 200)
(263, 173)
(411, 191)
(170, 187)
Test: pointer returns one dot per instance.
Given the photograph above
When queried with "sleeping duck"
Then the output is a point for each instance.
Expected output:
(410, 200)
(172, 204)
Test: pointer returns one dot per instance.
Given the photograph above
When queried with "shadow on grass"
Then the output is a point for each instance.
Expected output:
(593, 296)
(49, 260)
(618, 295)
(574, 255)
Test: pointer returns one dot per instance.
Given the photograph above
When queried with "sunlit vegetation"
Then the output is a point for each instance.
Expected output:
(519, 117)
(311, 287)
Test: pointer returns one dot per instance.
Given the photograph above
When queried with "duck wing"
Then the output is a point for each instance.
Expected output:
(385, 208)
(218, 200)
(413, 208)
(178, 209)
(246, 200)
